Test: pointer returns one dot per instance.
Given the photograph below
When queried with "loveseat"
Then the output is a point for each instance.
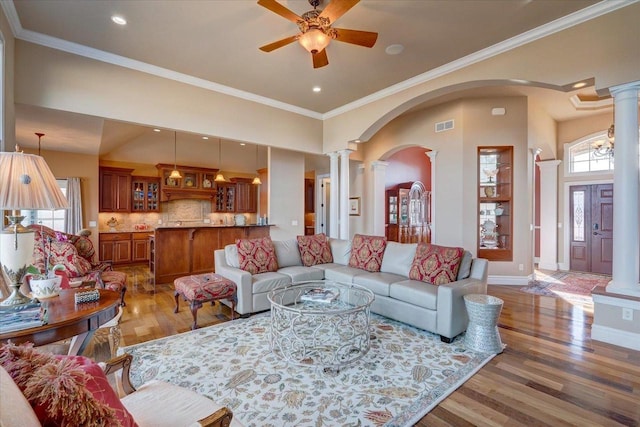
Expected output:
(436, 308)
(76, 252)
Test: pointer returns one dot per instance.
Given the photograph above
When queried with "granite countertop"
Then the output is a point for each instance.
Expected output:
(152, 229)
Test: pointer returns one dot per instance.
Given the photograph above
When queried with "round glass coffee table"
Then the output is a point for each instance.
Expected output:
(321, 323)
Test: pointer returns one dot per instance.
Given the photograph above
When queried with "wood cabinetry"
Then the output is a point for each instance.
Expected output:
(145, 193)
(397, 210)
(246, 195)
(124, 248)
(495, 192)
(225, 199)
(408, 213)
(196, 183)
(115, 189)
(309, 195)
(115, 247)
(182, 251)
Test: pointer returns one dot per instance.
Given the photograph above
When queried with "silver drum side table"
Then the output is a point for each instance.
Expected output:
(482, 332)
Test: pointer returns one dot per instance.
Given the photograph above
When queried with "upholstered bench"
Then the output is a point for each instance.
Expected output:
(201, 288)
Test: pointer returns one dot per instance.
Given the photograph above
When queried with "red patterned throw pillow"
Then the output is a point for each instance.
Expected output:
(66, 254)
(367, 252)
(436, 264)
(257, 255)
(314, 249)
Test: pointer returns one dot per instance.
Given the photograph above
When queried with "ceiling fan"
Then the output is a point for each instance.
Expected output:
(315, 28)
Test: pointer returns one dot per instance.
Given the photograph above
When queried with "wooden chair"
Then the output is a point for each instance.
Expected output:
(157, 404)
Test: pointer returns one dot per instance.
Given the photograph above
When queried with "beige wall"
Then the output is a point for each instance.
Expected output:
(8, 131)
(286, 193)
(73, 83)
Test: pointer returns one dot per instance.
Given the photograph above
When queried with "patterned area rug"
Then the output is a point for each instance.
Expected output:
(404, 375)
(567, 285)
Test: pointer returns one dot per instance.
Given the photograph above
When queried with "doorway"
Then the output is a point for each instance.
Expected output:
(591, 228)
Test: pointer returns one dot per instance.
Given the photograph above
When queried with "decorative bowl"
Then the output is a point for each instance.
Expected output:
(45, 288)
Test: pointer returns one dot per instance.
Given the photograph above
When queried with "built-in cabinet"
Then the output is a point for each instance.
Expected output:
(246, 195)
(145, 193)
(408, 213)
(196, 183)
(124, 248)
(495, 205)
(225, 200)
(115, 189)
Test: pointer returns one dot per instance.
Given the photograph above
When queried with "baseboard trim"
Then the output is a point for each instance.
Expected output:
(508, 280)
(550, 266)
(616, 337)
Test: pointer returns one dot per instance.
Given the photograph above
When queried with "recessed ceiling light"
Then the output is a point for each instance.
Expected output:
(205, 137)
(579, 85)
(394, 49)
(119, 20)
(156, 130)
(317, 89)
(243, 144)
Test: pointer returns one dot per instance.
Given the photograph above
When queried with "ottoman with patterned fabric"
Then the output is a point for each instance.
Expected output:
(201, 288)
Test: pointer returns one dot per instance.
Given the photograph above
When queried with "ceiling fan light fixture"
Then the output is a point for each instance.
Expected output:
(314, 40)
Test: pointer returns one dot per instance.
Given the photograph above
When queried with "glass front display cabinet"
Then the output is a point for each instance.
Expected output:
(495, 192)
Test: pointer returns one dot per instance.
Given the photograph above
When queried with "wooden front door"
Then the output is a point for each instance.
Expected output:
(591, 232)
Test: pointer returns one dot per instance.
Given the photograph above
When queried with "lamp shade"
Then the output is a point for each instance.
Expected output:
(26, 182)
(314, 40)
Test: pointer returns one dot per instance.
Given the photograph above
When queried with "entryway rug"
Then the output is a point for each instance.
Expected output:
(569, 285)
(404, 375)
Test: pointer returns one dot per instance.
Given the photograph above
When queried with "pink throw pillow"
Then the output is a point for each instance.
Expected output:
(257, 255)
(436, 264)
(314, 249)
(367, 252)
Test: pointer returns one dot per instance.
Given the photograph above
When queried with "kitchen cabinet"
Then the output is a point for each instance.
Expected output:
(145, 193)
(115, 189)
(225, 199)
(397, 210)
(140, 247)
(246, 195)
(196, 183)
(495, 206)
(115, 247)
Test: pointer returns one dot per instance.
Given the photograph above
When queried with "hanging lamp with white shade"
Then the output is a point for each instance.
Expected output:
(256, 180)
(219, 177)
(175, 173)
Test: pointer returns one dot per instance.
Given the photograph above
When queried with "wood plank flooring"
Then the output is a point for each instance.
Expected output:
(550, 374)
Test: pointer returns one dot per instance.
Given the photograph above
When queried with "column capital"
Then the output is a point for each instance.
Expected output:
(432, 154)
(625, 89)
(333, 154)
(379, 164)
(548, 164)
(345, 153)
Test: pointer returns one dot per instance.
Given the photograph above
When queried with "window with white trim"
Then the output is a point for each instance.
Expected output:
(53, 219)
(582, 156)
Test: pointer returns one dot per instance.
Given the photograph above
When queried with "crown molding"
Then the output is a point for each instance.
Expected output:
(560, 24)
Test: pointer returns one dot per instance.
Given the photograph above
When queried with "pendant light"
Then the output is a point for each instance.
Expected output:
(175, 174)
(40, 135)
(256, 180)
(219, 177)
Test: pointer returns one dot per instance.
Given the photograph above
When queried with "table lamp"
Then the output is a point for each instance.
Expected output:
(26, 182)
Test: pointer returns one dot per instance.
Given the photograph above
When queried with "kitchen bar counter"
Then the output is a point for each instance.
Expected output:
(183, 250)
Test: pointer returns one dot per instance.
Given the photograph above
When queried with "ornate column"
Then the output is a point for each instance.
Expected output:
(432, 225)
(379, 171)
(334, 202)
(626, 230)
(548, 214)
(344, 193)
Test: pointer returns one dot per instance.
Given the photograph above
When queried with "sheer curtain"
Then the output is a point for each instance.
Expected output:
(73, 218)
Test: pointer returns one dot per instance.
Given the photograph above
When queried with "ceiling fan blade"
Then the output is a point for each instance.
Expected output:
(320, 59)
(275, 45)
(337, 8)
(276, 7)
(361, 38)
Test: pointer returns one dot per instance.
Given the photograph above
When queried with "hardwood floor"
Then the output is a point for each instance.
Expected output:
(550, 374)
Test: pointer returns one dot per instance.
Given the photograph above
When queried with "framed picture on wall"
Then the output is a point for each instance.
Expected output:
(354, 206)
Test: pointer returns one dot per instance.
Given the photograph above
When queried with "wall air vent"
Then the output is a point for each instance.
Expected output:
(443, 126)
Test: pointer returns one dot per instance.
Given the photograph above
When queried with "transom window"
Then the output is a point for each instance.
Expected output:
(583, 157)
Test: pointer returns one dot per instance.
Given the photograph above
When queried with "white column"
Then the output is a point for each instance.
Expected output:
(334, 202)
(379, 171)
(548, 214)
(344, 193)
(626, 230)
(432, 156)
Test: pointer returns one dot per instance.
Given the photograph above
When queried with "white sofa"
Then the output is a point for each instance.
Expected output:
(438, 309)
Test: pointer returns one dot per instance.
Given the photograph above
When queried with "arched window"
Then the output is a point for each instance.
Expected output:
(582, 156)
